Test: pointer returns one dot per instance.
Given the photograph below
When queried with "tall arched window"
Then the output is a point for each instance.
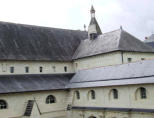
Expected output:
(50, 99)
(92, 94)
(3, 104)
(143, 94)
(115, 93)
(77, 94)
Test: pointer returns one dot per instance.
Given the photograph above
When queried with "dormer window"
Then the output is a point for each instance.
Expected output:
(93, 36)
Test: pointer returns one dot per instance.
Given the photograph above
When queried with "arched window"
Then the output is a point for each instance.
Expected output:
(50, 99)
(92, 94)
(92, 117)
(77, 94)
(115, 93)
(3, 104)
(143, 94)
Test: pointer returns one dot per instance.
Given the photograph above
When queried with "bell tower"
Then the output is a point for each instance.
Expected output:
(93, 28)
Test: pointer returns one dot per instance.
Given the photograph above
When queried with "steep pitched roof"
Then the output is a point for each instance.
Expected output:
(118, 40)
(26, 42)
(27, 83)
(125, 74)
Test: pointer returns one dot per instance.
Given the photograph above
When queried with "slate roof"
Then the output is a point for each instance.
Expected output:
(125, 74)
(26, 42)
(118, 40)
(27, 83)
(150, 44)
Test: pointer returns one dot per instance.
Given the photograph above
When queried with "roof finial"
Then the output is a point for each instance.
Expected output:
(92, 9)
(84, 27)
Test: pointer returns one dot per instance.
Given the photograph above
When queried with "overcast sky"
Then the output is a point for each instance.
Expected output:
(135, 16)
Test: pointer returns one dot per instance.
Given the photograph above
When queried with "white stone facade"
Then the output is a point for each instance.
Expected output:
(128, 97)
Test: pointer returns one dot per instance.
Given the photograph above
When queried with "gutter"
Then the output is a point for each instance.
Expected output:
(113, 109)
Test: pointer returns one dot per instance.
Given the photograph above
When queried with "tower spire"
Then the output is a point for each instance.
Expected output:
(93, 28)
(92, 11)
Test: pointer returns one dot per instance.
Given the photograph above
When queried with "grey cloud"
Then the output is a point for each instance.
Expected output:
(141, 19)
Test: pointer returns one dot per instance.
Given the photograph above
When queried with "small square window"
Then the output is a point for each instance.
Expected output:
(142, 58)
(11, 69)
(54, 68)
(143, 93)
(4, 67)
(115, 93)
(27, 69)
(41, 69)
(65, 68)
(129, 60)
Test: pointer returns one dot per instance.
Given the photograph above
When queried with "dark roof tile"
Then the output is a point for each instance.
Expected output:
(27, 83)
(118, 40)
(125, 74)
(26, 42)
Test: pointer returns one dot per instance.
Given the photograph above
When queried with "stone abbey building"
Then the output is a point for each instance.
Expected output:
(58, 73)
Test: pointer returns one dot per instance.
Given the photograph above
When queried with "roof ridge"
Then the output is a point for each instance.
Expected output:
(111, 31)
(106, 33)
(126, 78)
(120, 38)
(131, 35)
(39, 26)
(137, 39)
